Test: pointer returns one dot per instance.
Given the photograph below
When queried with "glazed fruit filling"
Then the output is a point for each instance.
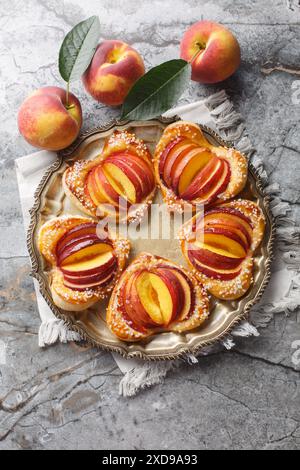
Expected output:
(222, 242)
(194, 173)
(157, 297)
(85, 259)
(120, 177)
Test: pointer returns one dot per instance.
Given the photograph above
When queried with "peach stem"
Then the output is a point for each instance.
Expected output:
(67, 96)
(67, 105)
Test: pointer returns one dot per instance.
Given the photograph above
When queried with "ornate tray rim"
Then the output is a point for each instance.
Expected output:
(122, 349)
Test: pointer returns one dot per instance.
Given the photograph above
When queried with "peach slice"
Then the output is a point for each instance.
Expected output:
(222, 215)
(75, 246)
(178, 152)
(222, 274)
(225, 243)
(216, 191)
(75, 233)
(133, 304)
(145, 172)
(226, 232)
(200, 158)
(178, 164)
(155, 298)
(223, 182)
(131, 307)
(236, 228)
(137, 170)
(213, 258)
(128, 170)
(205, 180)
(167, 275)
(93, 267)
(72, 243)
(92, 190)
(230, 211)
(120, 182)
(165, 153)
(89, 284)
(113, 201)
(89, 279)
(105, 190)
(187, 294)
(84, 251)
(86, 265)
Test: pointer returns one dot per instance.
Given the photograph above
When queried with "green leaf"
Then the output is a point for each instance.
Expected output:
(78, 48)
(157, 91)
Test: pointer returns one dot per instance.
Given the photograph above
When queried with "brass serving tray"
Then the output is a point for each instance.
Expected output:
(50, 202)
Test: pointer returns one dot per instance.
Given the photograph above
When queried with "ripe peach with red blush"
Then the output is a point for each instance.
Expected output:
(114, 69)
(219, 52)
(47, 121)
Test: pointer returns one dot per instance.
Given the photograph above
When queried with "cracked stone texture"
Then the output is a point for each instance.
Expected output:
(67, 396)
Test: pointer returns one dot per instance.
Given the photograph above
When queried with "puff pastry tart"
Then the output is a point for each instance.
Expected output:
(219, 246)
(155, 295)
(119, 183)
(191, 171)
(85, 263)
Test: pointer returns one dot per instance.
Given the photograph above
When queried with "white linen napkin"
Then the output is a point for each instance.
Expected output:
(218, 113)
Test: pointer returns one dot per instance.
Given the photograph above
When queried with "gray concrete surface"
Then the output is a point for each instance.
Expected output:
(66, 396)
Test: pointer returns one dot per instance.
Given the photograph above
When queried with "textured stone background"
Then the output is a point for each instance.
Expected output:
(67, 397)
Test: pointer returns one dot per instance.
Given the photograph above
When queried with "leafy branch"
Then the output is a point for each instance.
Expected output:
(77, 50)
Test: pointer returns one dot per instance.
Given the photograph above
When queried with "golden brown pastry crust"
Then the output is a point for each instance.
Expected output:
(120, 327)
(74, 178)
(64, 297)
(237, 287)
(237, 162)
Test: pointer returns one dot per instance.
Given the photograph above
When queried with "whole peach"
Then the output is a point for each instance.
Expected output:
(45, 120)
(115, 67)
(219, 55)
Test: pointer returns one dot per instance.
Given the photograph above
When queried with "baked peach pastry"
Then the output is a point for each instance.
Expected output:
(192, 171)
(85, 261)
(119, 183)
(219, 246)
(155, 295)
